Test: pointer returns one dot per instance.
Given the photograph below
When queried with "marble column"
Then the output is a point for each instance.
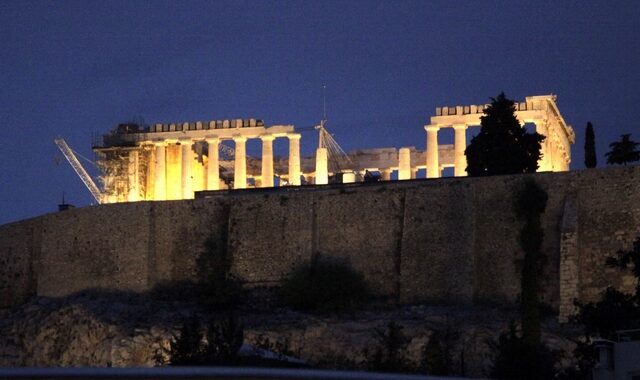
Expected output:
(267, 160)
(213, 164)
(322, 170)
(173, 154)
(460, 162)
(160, 180)
(187, 157)
(404, 163)
(546, 146)
(133, 194)
(240, 163)
(433, 167)
(294, 159)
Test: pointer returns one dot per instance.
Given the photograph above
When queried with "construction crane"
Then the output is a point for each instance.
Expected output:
(75, 164)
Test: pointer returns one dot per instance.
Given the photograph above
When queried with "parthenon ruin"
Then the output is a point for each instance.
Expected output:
(173, 161)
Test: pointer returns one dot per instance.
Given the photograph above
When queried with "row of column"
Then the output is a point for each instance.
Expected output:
(405, 170)
(213, 167)
(552, 159)
(460, 144)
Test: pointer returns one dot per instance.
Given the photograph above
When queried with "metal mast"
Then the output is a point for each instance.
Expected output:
(338, 159)
(75, 164)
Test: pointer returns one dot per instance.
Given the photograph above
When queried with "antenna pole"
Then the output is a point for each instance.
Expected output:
(324, 103)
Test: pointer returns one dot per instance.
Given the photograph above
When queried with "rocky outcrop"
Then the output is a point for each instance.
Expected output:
(127, 331)
(85, 331)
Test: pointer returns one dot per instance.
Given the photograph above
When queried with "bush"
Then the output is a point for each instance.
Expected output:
(518, 359)
(324, 285)
(186, 349)
(436, 354)
(217, 345)
(613, 312)
(389, 355)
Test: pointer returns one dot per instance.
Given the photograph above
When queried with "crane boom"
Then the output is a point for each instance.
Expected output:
(338, 159)
(75, 164)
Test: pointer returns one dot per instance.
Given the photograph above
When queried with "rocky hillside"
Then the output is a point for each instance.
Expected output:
(97, 329)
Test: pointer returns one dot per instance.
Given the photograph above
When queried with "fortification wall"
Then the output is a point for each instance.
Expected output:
(19, 250)
(445, 240)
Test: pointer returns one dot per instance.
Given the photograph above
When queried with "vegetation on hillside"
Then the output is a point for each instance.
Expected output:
(218, 344)
(388, 355)
(614, 311)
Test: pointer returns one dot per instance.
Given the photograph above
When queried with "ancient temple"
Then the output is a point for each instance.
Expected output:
(173, 161)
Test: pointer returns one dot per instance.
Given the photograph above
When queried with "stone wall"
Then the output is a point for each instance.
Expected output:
(450, 240)
(19, 246)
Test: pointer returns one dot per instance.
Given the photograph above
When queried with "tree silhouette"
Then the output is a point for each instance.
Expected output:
(590, 159)
(615, 311)
(503, 146)
(224, 338)
(530, 205)
(623, 151)
(524, 356)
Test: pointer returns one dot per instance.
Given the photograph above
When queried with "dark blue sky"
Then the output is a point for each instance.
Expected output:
(73, 68)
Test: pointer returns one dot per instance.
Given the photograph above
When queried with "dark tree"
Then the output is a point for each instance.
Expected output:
(524, 356)
(389, 356)
(224, 338)
(436, 357)
(623, 151)
(629, 260)
(503, 146)
(615, 311)
(590, 159)
(219, 289)
(187, 348)
(518, 360)
(531, 204)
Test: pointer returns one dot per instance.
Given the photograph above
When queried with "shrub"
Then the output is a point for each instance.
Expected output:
(279, 347)
(324, 285)
(223, 341)
(613, 312)
(436, 354)
(518, 359)
(389, 354)
(186, 349)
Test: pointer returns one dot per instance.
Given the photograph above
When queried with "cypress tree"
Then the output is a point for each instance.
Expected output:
(503, 146)
(590, 160)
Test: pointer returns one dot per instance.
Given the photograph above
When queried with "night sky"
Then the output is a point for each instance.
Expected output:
(78, 68)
